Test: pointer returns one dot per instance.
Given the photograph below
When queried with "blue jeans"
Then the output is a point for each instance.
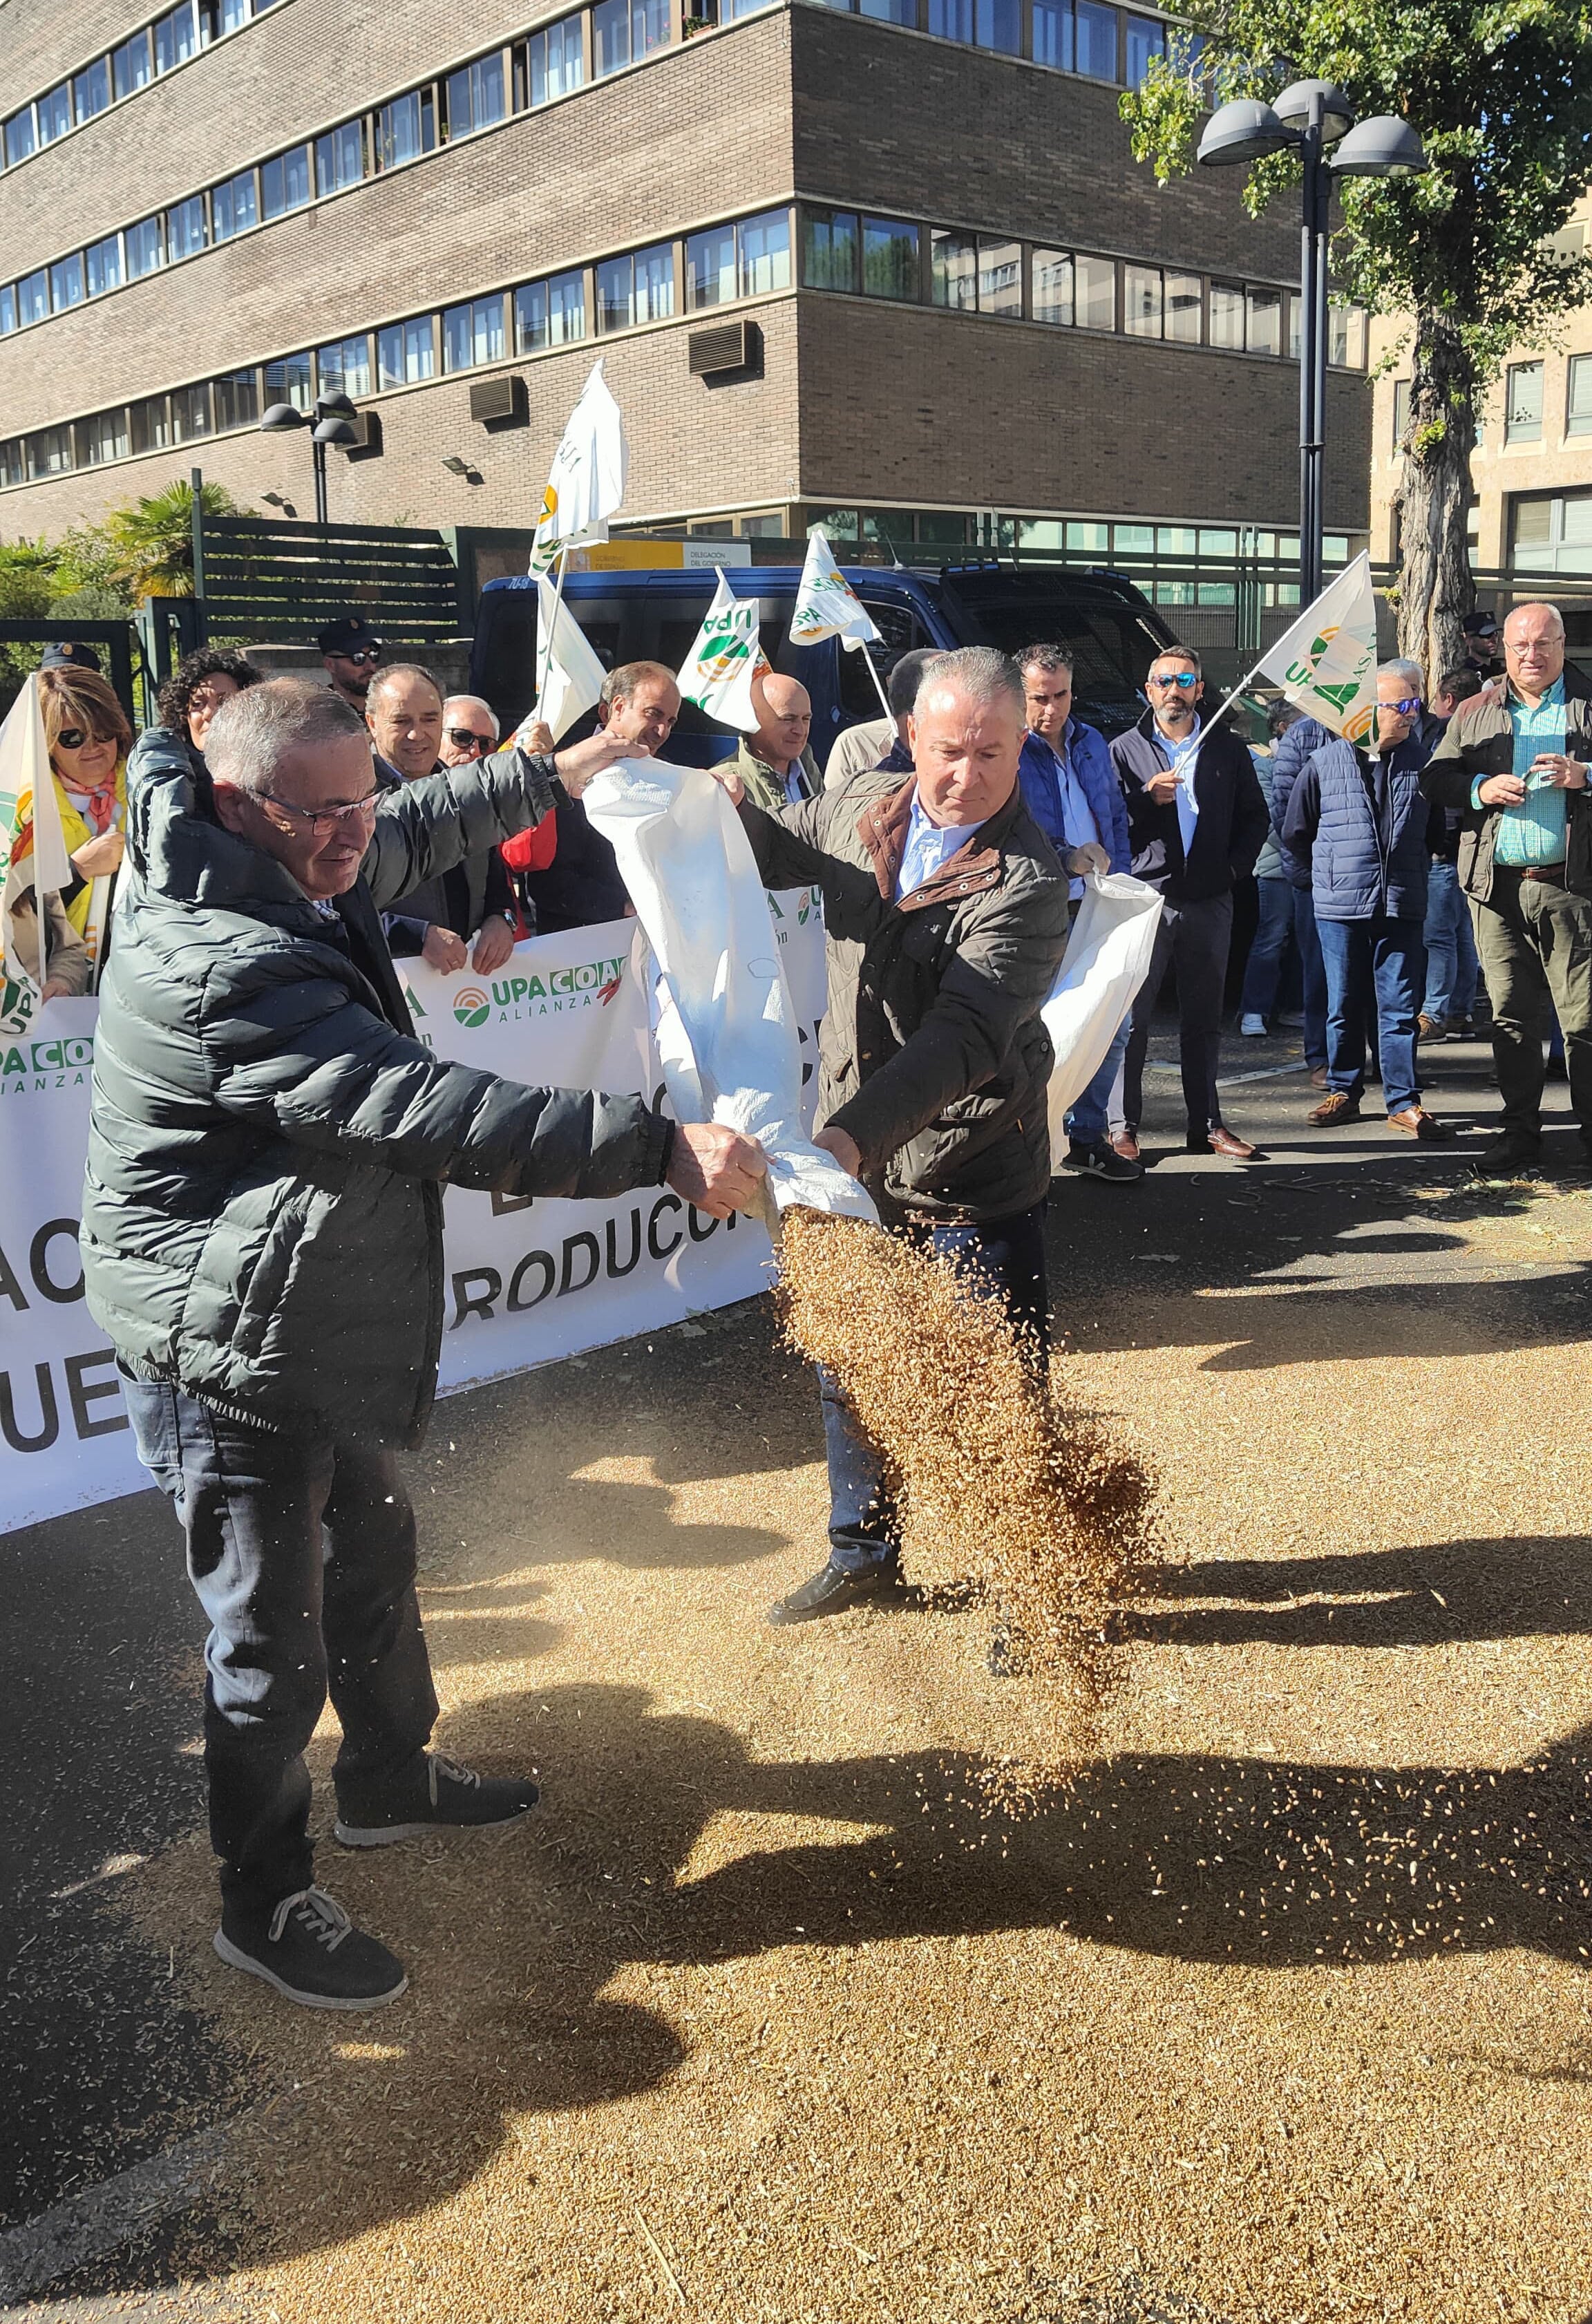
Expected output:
(1314, 977)
(1002, 1259)
(1089, 1120)
(1450, 947)
(1377, 965)
(1263, 968)
(302, 1552)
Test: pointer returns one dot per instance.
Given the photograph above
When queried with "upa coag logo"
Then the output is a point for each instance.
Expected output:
(472, 1007)
(556, 992)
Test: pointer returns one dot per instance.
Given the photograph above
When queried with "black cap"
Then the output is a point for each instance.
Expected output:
(69, 657)
(1479, 624)
(342, 637)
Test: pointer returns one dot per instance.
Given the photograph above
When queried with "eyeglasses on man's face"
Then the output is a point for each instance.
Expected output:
(323, 821)
(465, 738)
(1183, 677)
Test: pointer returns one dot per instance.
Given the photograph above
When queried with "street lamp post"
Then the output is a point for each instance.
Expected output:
(1318, 121)
(331, 421)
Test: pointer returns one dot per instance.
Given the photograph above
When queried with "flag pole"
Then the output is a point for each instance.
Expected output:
(560, 561)
(878, 685)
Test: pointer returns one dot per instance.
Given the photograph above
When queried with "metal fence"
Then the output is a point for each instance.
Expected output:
(279, 583)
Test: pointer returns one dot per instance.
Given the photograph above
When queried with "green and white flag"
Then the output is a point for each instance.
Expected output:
(1326, 663)
(569, 674)
(826, 604)
(34, 858)
(725, 657)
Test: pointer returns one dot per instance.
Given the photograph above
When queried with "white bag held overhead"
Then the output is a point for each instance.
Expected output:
(1108, 958)
(727, 1033)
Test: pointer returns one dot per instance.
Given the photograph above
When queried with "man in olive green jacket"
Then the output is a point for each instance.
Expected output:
(1516, 764)
(774, 764)
(945, 919)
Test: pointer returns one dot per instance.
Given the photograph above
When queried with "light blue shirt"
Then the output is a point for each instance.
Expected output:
(797, 786)
(1079, 827)
(1181, 758)
(1534, 833)
(928, 846)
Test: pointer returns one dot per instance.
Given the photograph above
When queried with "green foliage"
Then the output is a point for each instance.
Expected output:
(152, 540)
(39, 579)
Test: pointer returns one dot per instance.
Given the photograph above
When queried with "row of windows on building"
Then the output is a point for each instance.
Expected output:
(154, 49)
(1525, 413)
(1074, 35)
(745, 258)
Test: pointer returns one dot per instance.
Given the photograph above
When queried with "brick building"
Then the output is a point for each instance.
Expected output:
(970, 315)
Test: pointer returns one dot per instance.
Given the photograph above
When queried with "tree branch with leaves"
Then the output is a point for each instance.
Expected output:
(1502, 97)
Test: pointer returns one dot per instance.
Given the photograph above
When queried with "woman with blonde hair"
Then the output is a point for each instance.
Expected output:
(87, 735)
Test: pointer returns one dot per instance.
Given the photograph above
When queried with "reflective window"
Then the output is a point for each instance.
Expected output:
(20, 140)
(185, 227)
(234, 206)
(638, 288)
(1076, 35)
(1577, 401)
(237, 399)
(65, 284)
(549, 314)
(1263, 334)
(149, 427)
(190, 412)
(1346, 336)
(7, 308)
(473, 334)
(13, 462)
(1095, 293)
(103, 438)
(731, 11)
(49, 452)
(284, 184)
(405, 129)
(287, 381)
(339, 158)
(1184, 307)
(1144, 41)
(145, 248)
(554, 62)
(405, 352)
(1227, 315)
(131, 65)
(709, 267)
(1141, 301)
(219, 16)
(475, 97)
(981, 24)
(829, 246)
(91, 89)
(1523, 403)
(1000, 277)
(1052, 286)
(890, 263)
(33, 297)
(764, 244)
(54, 112)
(887, 12)
(177, 37)
(953, 271)
(624, 30)
(345, 365)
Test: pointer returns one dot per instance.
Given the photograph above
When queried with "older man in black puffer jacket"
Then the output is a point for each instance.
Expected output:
(263, 1243)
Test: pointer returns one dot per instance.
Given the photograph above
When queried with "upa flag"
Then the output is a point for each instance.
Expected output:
(826, 604)
(568, 675)
(717, 673)
(32, 847)
(1325, 664)
(586, 482)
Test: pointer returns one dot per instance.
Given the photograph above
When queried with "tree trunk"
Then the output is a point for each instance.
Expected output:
(1435, 587)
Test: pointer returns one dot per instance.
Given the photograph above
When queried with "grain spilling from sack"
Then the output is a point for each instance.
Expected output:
(1053, 1523)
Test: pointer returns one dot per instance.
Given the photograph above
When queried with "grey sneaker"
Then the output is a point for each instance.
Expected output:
(437, 1795)
(307, 1946)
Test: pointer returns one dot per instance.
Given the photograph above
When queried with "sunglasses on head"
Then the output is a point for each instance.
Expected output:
(465, 738)
(1184, 677)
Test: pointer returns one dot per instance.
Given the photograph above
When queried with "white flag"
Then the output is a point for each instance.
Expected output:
(826, 604)
(1326, 663)
(32, 846)
(568, 675)
(587, 482)
(726, 656)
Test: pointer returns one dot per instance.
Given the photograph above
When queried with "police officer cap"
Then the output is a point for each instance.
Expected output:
(346, 636)
(69, 657)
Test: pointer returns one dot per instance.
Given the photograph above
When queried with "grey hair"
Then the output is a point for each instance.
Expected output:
(982, 672)
(1047, 658)
(254, 732)
(1535, 605)
(1402, 666)
(395, 671)
(476, 702)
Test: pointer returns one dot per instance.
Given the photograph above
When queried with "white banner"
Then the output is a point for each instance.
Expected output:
(525, 1282)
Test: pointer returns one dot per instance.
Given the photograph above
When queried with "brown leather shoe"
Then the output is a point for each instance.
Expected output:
(1218, 1141)
(1125, 1143)
(1416, 1122)
(1335, 1107)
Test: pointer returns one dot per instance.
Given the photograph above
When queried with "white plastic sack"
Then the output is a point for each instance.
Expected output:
(727, 1030)
(1108, 958)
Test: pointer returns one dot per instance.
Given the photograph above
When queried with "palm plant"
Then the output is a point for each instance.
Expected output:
(154, 539)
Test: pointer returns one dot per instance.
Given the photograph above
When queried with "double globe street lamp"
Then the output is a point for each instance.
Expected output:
(330, 422)
(1318, 121)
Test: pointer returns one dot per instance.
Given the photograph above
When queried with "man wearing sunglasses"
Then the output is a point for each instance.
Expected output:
(350, 651)
(1196, 819)
(261, 1243)
(1359, 827)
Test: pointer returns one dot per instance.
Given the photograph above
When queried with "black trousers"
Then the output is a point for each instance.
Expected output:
(1194, 938)
(303, 1557)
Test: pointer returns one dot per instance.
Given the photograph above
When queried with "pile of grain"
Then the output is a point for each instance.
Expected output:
(1052, 1523)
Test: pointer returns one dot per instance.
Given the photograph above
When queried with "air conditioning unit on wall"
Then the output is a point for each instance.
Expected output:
(727, 346)
(499, 402)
